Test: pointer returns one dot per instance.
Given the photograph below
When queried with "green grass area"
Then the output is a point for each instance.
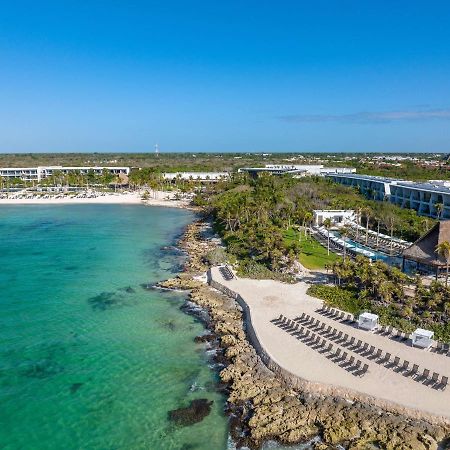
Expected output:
(312, 254)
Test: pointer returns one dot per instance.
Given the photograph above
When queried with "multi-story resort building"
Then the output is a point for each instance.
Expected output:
(423, 197)
(296, 169)
(39, 173)
(376, 188)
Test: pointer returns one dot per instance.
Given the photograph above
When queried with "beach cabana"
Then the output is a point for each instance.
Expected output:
(423, 251)
(368, 321)
(422, 338)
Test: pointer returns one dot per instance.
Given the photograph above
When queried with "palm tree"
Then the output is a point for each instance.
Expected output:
(439, 208)
(327, 224)
(344, 233)
(308, 217)
(367, 214)
(443, 249)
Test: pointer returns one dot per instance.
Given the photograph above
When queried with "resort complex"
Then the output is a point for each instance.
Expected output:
(39, 173)
(422, 197)
(341, 279)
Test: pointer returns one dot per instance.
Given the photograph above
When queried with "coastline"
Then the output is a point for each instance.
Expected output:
(160, 198)
(263, 406)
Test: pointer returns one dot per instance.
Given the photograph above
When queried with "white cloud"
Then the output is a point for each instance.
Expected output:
(371, 117)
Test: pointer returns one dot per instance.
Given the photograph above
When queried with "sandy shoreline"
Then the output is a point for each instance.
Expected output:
(158, 199)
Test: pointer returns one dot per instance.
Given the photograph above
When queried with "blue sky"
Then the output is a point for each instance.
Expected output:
(225, 76)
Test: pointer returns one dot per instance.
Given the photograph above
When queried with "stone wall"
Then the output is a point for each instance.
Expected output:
(288, 377)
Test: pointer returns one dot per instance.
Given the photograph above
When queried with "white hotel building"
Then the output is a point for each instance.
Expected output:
(38, 173)
(422, 197)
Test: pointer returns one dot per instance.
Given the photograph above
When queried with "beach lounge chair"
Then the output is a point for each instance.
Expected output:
(339, 335)
(371, 349)
(351, 360)
(306, 333)
(329, 329)
(390, 329)
(345, 337)
(352, 340)
(414, 370)
(344, 356)
(358, 364)
(444, 382)
(396, 361)
(439, 347)
(330, 347)
(405, 365)
(337, 352)
(434, 378)
(341, 315)
(378, 353)
(426, 373)
(359, 343)
(365, 346)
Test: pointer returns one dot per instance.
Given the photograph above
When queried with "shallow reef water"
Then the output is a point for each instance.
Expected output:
(88, 358)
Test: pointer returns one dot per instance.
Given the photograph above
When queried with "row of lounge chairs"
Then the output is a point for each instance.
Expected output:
(336, 314)
(338, 355)
(226, 273)
(388, 331)
(382, 243)
(372, 353)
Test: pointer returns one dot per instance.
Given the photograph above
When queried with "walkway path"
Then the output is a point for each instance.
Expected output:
(267, 299)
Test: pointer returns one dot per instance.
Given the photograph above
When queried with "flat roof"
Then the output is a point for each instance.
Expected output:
(425, 187)
(423, 332)
(365, 177)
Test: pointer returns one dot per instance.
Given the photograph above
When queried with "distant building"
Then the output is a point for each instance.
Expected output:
(41, 172)
(296, 169)
(375, 188)
(196, 176)
(338, 216)
(422, 197)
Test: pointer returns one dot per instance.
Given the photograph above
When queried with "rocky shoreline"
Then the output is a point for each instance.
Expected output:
(262, 407)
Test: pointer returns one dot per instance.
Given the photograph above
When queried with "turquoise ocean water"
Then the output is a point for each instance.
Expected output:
(89, 359)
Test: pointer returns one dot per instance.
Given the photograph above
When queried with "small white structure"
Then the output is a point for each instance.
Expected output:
(196, 176)
(368, 321)
(338, 217)
(422, 338)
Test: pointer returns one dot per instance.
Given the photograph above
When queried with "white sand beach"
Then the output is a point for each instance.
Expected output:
(382, 384)
(158, 198)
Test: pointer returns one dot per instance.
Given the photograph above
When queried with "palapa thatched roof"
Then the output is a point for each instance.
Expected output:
(424, 249)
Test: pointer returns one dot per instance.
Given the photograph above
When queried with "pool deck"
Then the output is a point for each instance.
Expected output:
(267, 299)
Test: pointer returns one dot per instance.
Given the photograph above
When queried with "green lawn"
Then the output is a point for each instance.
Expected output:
(312, 254)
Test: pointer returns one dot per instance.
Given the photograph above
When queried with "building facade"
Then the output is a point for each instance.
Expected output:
(428, 199)
(375, 188)
(297, 169)
(41, 172)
